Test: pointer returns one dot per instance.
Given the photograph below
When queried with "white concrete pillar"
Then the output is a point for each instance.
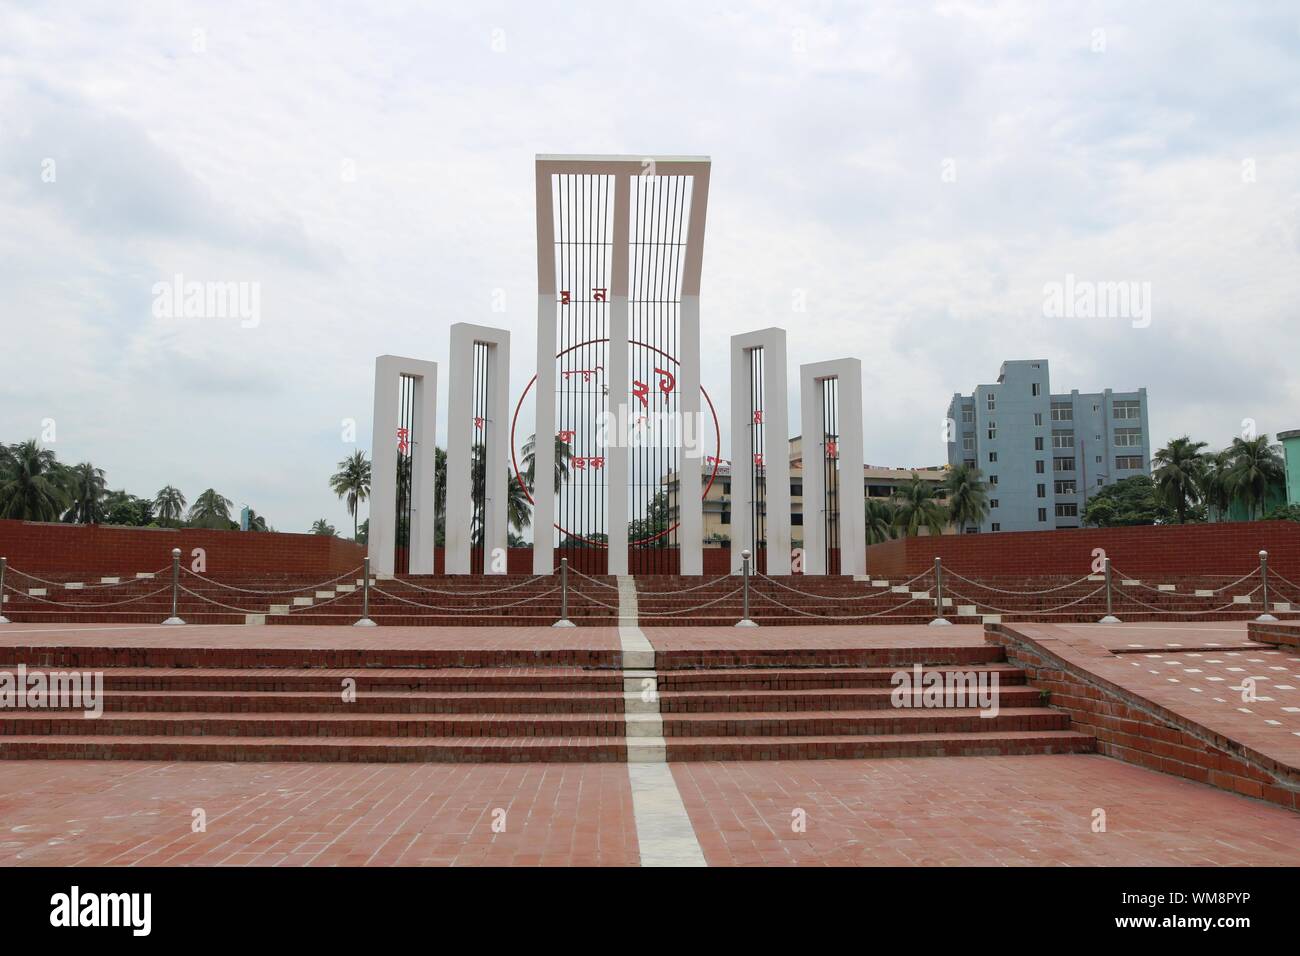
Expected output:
(775, 449)
(619, 381)
(383, 464)
(463, 433)
(850, 465)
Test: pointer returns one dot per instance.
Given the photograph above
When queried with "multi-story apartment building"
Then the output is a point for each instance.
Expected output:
(1042, 454)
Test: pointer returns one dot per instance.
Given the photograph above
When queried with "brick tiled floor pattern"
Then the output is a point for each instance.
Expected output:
(975, 811)
(955, 811)
(119, 814)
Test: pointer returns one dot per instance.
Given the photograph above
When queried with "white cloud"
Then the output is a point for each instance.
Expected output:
(829, 129)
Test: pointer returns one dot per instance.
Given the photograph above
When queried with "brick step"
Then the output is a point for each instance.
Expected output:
(366, 702)
(813, 678)
(333, 750)
(797, 702)
(24, 616)
(861, 722)
(360, 657)
(56, 723)
(1012, 743)
(812, 656)
(368, 680)
(415, 620)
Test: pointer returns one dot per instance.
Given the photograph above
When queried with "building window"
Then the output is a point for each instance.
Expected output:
(991, 401)
(993, 502)
(1039, 467)
(1038, 443)
(995, 527)
(993, 457)
(1067, 510)
(1128, 438)
(1042, 491)
(1038, 419)
(993, 430)
(1063, 464)
(967, 416)
(1034, 389)
(993, 479)
(797, 518)
(1128, 462)
(796, 489)
(1065, 487)
(1042, 512)
(1062, 439)
(1127, 409)
(726, 517)
(1062, 413)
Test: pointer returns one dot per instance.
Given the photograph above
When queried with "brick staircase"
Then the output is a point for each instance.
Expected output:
(283, 703)
(520, 600)
(685, 601)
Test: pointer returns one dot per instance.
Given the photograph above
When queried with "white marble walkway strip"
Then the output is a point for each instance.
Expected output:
(663, 828)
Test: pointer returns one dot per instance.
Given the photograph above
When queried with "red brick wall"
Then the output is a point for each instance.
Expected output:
(38, 547)
(1227, 548)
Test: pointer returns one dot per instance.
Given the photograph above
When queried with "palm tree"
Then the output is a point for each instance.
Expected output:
(563, 452)
(1180, 474)
(32, 484)
(256, 522)
(169, 505)
(518, 511)
(880, 521)
(86, 487)
(1256, 467)
(211, 510)
(321, 526)
(1216, 485)
(916, 506)
(353, 481)
(967, 495)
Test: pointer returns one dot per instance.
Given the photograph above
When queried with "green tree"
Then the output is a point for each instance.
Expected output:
(967, 496)
(880, 521)
(1180, 475)
(1216, 483)
(1129, 501)
(563, 454)
(32, 484)
(1256, 467)
(518, 511)
(86, 487)
(127, 510)
(657, 520)
(211, 510)
(917, 506)
(256, 522)
(321, 526)
(352, 482)
(1284, 513)
(169, 505)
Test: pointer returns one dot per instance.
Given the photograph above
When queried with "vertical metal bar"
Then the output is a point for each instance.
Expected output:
(365, 595)
(1110, 617)
(745, 620)
(176, 587)
(938, 586)
(564, 595)
(4, 563)
(1263, 576)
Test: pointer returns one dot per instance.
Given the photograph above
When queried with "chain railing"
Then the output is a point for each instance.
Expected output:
(939, 586)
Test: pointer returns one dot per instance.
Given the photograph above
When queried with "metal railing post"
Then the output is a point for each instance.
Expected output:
(939, 619)
(365, 595)
(744, 570)
(4, 563)
(176, 588)
(564, 595)
(1110, 618)
(1263, 577)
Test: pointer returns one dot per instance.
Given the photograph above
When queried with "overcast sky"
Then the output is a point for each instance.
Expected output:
(913, 173)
